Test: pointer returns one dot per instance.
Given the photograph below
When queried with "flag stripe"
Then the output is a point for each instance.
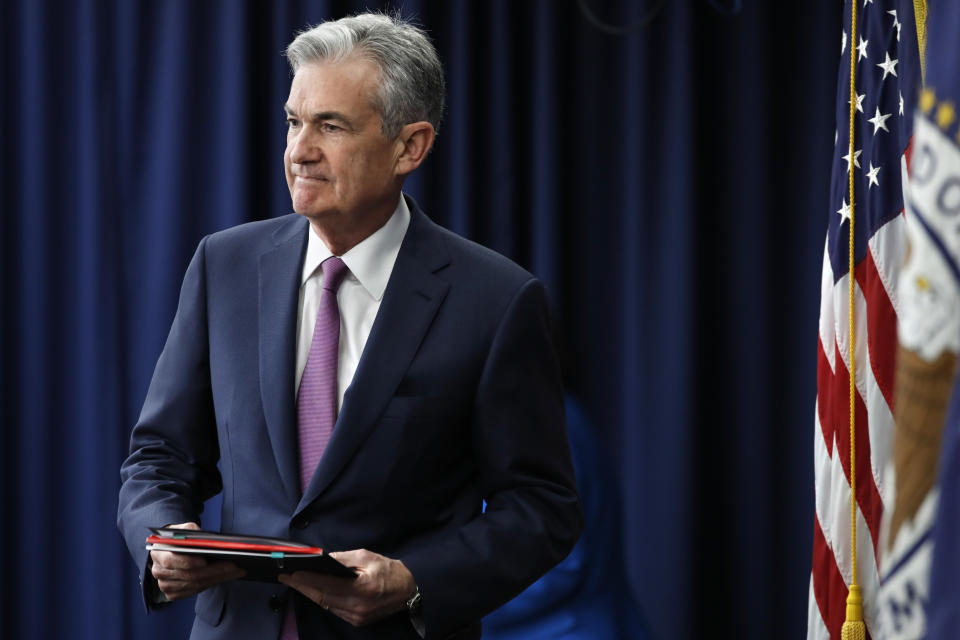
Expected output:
(887, 251)
(881, 325)
(828, 328)
(833, 515)
(817, 628)
(828, 585)
(834, 406)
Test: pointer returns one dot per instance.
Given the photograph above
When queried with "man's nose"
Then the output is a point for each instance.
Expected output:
(304, 146)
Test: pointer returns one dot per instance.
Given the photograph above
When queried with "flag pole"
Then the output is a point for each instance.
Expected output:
(853, 627)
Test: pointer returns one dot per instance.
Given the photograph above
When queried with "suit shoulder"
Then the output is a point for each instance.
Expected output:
(256, 236)
(483, 261)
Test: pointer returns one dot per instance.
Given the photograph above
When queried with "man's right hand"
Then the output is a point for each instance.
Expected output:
(181, 575)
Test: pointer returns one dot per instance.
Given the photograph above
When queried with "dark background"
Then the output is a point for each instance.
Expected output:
(669, 184)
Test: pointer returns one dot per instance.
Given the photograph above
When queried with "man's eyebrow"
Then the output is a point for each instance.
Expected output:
(332, 115)
(323, 115)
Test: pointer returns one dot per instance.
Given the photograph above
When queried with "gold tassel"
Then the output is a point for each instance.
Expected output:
(853, 627)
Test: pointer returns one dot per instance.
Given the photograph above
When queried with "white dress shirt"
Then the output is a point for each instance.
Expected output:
(370, 264)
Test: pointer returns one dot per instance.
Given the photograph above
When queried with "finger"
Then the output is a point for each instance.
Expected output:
(345, 606)
(171, 560)
(218, 571)
(323, 590)
(350, 616)
(228, 571)
(351, 605)
(177, 590)
(356, 611)
(205, 576)
(355, 559)
(305, 586)
(323, 583)
(306, 583)
(309, 579)
(180, 584)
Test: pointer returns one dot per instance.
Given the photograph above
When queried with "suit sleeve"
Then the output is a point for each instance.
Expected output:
(533, 516)
(171, 468)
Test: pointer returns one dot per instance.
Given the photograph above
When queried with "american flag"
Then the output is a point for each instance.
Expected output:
(887, 75)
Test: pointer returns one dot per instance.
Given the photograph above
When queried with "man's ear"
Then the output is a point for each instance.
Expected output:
(416, 139)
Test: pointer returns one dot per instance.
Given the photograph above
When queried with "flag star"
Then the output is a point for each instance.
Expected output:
(843, 43)
(872, 175)
(896, 22)
(836, 135)
(856, 159)
(901, 104)
(860, 97)
(862, 49)
(844, 212)
(888, 66)
(866, 2)
(879, 122)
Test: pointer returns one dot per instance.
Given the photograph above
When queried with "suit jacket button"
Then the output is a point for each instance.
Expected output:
(301, 522)
(275, 602)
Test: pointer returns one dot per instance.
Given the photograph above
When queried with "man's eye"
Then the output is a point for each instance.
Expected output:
(331, 128)
(292, 122)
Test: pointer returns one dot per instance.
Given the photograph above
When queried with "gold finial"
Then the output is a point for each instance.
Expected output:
(946, 114)
(927, 100)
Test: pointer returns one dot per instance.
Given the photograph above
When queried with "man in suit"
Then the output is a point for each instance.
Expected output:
(441, 388)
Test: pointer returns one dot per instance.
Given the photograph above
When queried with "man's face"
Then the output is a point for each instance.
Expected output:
(339, 166)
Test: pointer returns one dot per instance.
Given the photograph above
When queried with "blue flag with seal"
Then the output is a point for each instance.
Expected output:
(921, 560)
(938, 201)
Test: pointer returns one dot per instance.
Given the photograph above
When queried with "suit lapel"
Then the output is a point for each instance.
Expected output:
(280, 271)
(413, 295)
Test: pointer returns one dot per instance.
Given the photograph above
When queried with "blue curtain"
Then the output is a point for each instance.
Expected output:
(668, 182)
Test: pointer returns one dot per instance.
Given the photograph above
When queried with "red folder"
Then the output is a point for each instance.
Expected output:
(263, 558)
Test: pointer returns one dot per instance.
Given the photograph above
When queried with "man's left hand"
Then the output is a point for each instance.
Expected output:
(381, 588)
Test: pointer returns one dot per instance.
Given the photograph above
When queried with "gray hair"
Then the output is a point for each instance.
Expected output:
(411, 76)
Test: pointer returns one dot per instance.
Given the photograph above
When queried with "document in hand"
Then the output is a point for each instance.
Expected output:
(263, 558)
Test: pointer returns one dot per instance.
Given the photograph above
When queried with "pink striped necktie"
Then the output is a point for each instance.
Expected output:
(317, 397)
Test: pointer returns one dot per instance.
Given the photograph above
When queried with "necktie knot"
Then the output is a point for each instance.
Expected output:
(334, 271)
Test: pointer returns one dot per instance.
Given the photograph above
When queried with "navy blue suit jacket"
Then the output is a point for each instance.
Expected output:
(457, 398)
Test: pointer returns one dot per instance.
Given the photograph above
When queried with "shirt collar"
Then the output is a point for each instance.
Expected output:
(371, 261)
